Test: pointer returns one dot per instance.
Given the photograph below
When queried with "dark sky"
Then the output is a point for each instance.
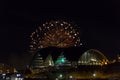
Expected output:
(99, 23)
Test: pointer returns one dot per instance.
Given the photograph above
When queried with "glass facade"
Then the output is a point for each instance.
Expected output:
(92, 57)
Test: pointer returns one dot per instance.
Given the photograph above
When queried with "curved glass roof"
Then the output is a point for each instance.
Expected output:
(92, 57)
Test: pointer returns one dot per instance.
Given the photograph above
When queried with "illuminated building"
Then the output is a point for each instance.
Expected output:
(49, 61)
(92, 57)
(61, 61)
(54, 34)
(37, 63)
(4, 68)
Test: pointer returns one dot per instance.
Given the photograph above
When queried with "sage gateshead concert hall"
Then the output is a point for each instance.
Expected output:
(58, 64)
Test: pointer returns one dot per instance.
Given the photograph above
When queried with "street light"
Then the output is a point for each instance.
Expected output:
(94, 75)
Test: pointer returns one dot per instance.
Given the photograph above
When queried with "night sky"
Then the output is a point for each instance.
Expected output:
(98, 21)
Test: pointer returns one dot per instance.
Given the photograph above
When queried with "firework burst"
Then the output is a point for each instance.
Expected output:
(55, 34)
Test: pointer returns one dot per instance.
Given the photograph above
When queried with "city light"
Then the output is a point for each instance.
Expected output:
(94, 75)
(60, 75)
(62, 60)
(70, 76)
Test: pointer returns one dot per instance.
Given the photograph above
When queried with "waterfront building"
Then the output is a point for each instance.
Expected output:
(93, 57)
